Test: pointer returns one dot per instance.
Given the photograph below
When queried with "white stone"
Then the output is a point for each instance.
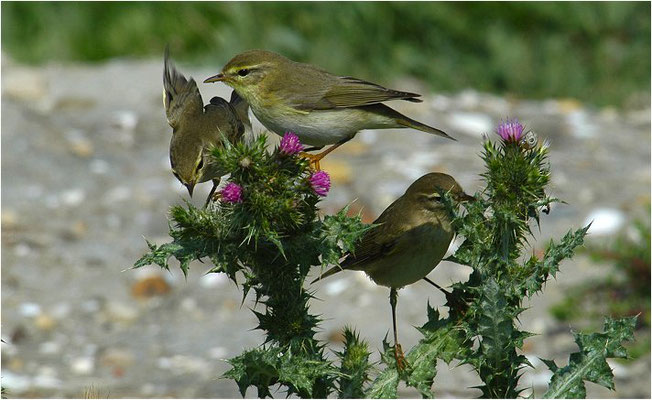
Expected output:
(29, 310)
(125, 120)
(49, 348)
(470, 123)
(338, 286)
(189, 304)
(15, 383)
(218, 352)
(121, 312)
(606, 221)
(73, 197)
(82, 365)
(22, 250)
(618, 369)
(211, 281)
(581, 124)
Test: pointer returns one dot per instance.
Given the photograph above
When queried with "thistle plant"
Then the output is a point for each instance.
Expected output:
(264, 227)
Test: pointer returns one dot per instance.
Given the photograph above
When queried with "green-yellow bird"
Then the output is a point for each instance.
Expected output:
(319, 107)
(196, 128)
(412, 236)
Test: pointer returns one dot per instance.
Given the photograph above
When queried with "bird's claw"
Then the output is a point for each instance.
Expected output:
(313, 159)
(401, 362)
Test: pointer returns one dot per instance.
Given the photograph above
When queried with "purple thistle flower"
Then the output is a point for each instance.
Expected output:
(320, 182)
(510, 130)
(290, 144)
(232, 193)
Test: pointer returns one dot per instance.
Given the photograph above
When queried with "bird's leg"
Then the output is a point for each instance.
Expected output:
(315, 158)
(401, 363)
(425, 278)
(216, 182)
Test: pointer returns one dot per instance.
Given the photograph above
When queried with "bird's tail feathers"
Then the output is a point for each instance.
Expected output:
(410, 123)
(328, 273)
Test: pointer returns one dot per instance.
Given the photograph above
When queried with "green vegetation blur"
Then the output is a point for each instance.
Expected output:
(598, 52)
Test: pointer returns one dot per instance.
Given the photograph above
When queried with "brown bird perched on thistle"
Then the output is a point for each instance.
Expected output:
(321, 108)
(411, 237)
(197, 128)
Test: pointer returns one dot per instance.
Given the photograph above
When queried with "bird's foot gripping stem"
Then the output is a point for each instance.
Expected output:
(316, 158)
(401, 362)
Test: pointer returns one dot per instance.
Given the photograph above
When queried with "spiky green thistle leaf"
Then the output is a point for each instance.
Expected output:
(590, 362)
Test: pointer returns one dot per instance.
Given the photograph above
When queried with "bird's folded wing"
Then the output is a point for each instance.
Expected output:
(381, 241)
(179, 93)
(223, 119)
(352, 92)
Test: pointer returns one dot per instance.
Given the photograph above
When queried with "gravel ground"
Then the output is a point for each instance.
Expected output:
(86, 176)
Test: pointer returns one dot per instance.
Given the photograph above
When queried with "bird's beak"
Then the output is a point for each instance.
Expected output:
(215, 78)
(190, 186)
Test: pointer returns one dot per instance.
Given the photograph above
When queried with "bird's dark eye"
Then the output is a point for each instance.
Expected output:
(243, 72)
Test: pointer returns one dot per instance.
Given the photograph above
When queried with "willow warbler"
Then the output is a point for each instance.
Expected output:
(410, 239)
(197, 128)
(321, 108)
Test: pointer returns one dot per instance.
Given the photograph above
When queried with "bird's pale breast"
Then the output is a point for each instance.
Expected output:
(320, 127)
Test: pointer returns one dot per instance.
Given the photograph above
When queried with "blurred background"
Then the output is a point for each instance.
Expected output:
(85, 175)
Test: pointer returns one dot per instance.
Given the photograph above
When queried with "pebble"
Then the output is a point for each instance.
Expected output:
(82, 365)
(15, 364)
(22, 250)
(150, 287)
(338, 286)
(581, 124)
(218, 352)
(49, 348)
(15, 383)
(120, 312)
(125, 120)
(212, 281)
(73, 197)
(9, 219)
(181, 364)
(25, 84)
(469, 123)
(79, 144)
(29, 309)
(189, 304)
(618, 369)
(467, 99)
(45, 322)
(47, 382)
(116, 357)
(606, 221)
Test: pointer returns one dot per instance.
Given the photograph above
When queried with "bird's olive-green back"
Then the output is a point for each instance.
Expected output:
(303, 86)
